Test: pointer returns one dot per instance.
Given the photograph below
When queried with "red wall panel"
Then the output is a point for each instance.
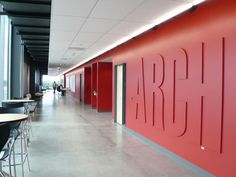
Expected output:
(181, 87)
(104, 89)
(94, 86)
(87, 85)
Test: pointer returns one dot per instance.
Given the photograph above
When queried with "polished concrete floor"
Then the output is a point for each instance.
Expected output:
(72, 140)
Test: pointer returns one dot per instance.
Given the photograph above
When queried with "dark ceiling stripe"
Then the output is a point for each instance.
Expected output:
(33, 39)
(31, 26)
(32, 33)
(26, 15)
(37, 50)
(28, 2)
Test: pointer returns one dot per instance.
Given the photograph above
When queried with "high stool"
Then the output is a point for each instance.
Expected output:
(6, 148)
(22, 131)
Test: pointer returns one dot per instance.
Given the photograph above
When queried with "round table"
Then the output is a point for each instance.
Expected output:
(13, 101)
(6, 118)
(18, 101)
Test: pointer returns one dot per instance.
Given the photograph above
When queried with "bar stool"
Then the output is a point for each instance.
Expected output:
(31, 112)
(21, 131)
(6, 146)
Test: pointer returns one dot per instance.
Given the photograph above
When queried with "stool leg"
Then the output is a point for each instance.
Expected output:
(26, 153)
(22, 155)
(14, 161)
(1, 172)
(9, 164)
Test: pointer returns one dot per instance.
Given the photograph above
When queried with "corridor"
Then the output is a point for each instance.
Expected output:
(71, 139)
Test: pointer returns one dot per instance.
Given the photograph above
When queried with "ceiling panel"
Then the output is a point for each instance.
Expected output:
(126, 27)
(151, 9)
(114, 9)
(109, 38)
(87, 36)
(82, 44)
(93, 25)
(80, 8)
(69, 54)
(62, 36)
(66, 23)
(86, 39)
(57, 52)
(183, 0)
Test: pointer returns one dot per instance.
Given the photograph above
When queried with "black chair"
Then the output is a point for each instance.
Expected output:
(32, 106)
(13, 108)
(59, 88)
(4, 134)
(18, 98)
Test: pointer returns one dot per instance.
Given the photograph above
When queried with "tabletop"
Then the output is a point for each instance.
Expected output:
(12, 117)
(18, 101)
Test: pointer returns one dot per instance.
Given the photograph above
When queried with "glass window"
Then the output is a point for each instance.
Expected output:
(5, 55)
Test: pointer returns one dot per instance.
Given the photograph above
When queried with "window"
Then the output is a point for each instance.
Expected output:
(72, 83)
(5, 55)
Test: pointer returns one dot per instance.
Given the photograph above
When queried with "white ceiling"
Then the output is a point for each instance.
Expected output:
(82, 28)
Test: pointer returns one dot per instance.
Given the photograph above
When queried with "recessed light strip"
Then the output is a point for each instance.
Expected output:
(158, 21)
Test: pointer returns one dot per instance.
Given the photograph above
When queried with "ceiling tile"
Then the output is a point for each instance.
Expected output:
(66, 23)
(82, 44)
(87, 37)
(98, 25)
(114, 9)
(80, 8)
(100, 45)
(85, 40)
(152, 9)
(62, 36)
(72, 54)
(183, 0)
(110, 38)
(126, 27)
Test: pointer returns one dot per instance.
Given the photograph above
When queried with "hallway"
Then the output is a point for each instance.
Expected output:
(71, 139)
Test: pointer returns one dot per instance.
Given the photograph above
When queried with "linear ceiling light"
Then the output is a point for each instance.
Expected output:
(158, 21)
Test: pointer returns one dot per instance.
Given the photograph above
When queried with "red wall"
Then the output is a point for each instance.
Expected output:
(181, 85)
(94, 85)
(87, 85)
(77, 73)
(104, 89)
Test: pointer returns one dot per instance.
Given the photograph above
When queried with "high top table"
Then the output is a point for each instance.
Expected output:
(18, 101)
(7, 118)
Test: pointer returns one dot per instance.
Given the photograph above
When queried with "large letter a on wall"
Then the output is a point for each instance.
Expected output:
(138, 94)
